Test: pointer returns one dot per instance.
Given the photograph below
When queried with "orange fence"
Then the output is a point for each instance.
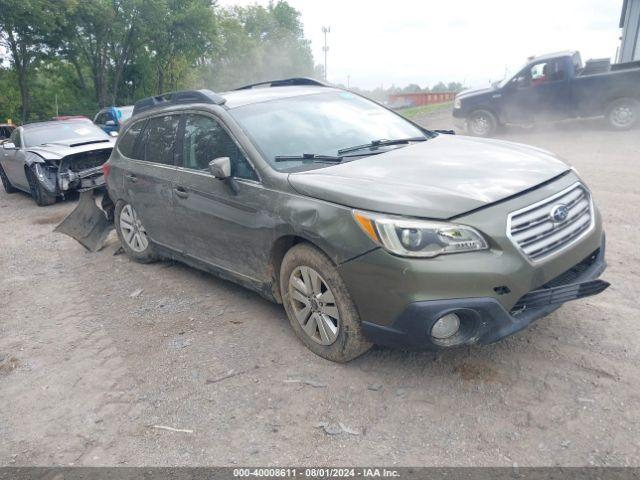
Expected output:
(399, 100)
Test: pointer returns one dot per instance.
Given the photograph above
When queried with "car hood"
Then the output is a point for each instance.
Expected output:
(440, 178)
(58, 150)
(472, 92)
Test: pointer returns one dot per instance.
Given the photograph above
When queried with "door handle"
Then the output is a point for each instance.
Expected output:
(181, 192)
(131, 177)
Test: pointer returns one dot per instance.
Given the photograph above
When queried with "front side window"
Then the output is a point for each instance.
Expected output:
(551, 71)
(322, 123)
(157, 142)
(205, 140)
(127, 143)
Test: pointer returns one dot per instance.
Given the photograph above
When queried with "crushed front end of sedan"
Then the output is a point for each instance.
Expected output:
(50, 159)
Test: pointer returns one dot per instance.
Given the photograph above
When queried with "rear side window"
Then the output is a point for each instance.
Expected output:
(158, 140)
(205, 140)
(127, 143)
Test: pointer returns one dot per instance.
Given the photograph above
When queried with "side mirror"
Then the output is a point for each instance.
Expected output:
(109, 123)
(113, 134)
(9, 146)
(220, 167)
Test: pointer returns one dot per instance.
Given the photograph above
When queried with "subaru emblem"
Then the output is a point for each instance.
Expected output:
(559, 213)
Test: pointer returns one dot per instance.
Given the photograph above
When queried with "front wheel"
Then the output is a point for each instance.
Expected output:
(482, 123)
(42, 197)
(623, 114)
(319, 306)
(132, 234)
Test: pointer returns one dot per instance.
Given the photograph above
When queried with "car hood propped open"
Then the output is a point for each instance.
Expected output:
(440, 178)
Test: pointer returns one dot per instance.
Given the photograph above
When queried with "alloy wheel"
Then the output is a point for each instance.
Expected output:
(480, 125)
(314, 305)
(622, 116)
(132, 230)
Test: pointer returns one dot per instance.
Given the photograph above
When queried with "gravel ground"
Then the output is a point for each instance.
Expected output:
(97, 353)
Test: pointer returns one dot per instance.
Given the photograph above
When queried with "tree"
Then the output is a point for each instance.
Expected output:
(26, 27)
(439, 87)
(259, 43)
(101, 35)
(177, 33)
(455, 87)
(412, 88)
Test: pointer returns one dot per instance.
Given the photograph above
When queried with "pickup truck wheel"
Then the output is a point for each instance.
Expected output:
(623, 114)
(132, 234)
(41, 196)
(482, 123)
(319, 306)
(6, 183)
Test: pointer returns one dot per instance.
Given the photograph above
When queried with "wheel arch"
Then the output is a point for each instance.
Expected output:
(279, 249)
(483, 108)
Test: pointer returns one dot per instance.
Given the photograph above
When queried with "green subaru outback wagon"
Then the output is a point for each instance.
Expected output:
(368, 228)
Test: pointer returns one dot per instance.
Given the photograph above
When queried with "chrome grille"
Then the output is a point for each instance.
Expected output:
(538, 235)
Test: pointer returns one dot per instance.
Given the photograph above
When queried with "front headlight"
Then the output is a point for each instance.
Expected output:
(419, 238)
(457, 103)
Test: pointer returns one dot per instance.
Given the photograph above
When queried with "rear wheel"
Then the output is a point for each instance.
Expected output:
(623, 114)
(482, 123)
(132, 234)
(6, 183)
(42, 197)
(319, 306)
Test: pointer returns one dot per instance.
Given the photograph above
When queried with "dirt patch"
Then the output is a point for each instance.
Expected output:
(9, 365)
(476, 372)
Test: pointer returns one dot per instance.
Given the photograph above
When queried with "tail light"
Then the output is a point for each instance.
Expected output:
(106, 169)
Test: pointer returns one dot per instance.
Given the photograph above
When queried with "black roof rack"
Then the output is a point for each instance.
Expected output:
(177, 98)
(285, 82)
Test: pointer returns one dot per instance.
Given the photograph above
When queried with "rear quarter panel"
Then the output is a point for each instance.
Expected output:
(592, 93)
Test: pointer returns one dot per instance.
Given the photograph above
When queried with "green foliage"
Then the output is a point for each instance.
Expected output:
(90, 53)
(256, 44)
(414, 112)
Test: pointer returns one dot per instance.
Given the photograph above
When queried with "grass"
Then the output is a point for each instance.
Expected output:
(413, 112)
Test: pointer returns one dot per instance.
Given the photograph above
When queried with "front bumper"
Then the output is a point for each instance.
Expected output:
(460, 125)
(484, 320)
(83, 180)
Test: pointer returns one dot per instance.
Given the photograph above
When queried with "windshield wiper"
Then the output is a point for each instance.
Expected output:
(382, 143)
(312, 157)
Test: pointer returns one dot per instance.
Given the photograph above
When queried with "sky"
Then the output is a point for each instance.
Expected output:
(383, 43)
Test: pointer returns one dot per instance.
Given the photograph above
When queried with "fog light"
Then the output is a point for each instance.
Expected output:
(446, 326)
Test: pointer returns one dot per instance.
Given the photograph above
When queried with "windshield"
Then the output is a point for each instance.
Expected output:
(509, 73)
(321, 124)
(125, 113)
(62, 132)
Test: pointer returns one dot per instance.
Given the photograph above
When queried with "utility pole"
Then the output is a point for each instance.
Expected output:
(325, 49)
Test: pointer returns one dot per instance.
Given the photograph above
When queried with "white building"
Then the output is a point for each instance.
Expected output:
(630, 24)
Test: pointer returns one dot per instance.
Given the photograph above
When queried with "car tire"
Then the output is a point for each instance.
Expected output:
(482, 123)
(6, 183)
(132, 234)
(320, 309)
(623, 113)
(41, 196)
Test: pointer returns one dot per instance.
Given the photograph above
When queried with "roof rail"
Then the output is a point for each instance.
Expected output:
(177, 98)
(285, 82)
